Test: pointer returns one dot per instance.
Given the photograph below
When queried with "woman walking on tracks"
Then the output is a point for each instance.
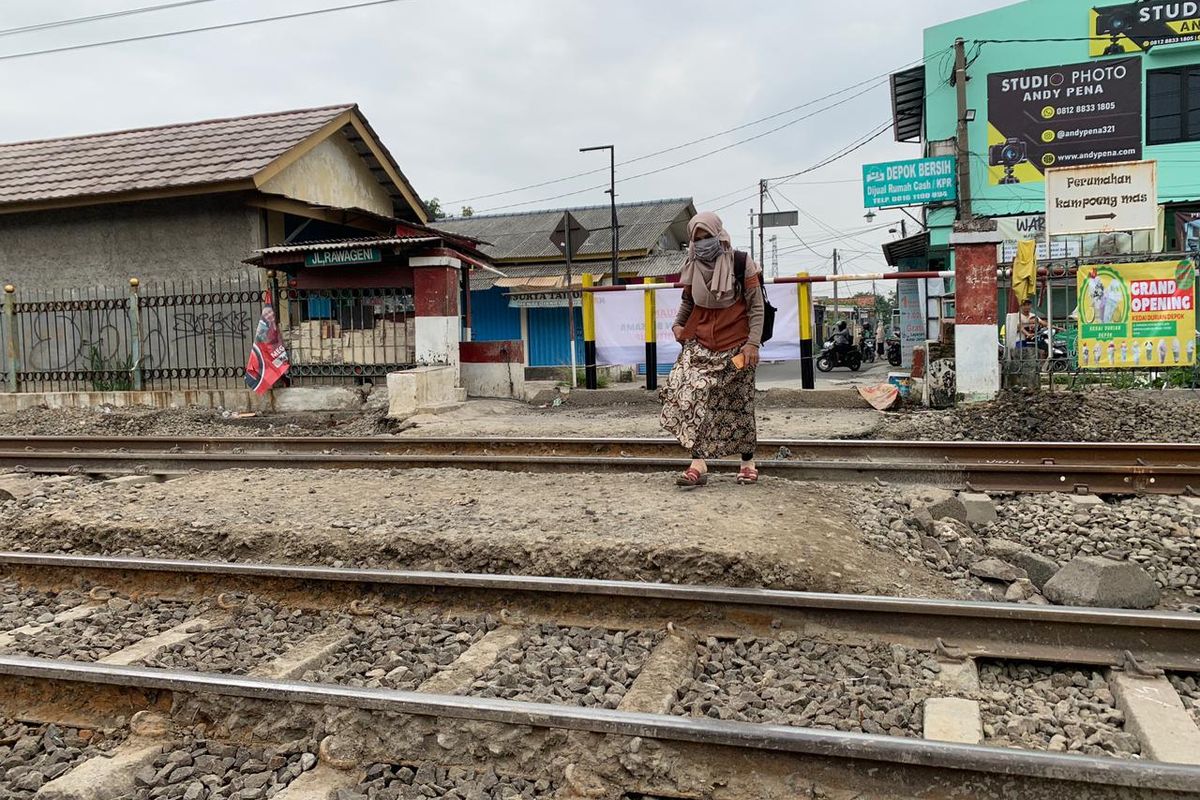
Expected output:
(708, 399)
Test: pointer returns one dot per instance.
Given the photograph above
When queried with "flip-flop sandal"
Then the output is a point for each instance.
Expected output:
(692, 479)
(748, 476)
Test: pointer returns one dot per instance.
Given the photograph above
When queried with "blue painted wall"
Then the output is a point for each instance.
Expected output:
(548, 335)
(491, 318)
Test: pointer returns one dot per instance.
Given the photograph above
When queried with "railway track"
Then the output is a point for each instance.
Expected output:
(637, 738)
(1106, 468)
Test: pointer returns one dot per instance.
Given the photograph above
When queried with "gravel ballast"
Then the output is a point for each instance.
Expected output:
(1189, 692)
(1041, 707)
(208, 770)
(404, 782)
(255, 635)
(22, 605)
(789, 681)
(590, 667)
(114, 626)
(1090, 415)
(399, 652)
(33, 755)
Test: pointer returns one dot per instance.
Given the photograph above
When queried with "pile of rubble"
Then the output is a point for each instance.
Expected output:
(1062, 416)
(1041, 549)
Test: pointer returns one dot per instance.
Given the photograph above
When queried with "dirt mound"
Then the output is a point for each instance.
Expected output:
(1065, 416)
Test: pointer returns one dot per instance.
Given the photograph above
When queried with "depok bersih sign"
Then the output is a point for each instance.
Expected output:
(1102, 198)
(913, 182)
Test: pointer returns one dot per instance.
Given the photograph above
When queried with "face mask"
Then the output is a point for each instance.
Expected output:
(708, 250)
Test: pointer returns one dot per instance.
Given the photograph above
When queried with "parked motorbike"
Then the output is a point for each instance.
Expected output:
(833, 356)
(1055, 355)
(893, 352)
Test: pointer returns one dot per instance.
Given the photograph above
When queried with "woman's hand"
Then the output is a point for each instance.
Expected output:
(750, 353)
(677, 330)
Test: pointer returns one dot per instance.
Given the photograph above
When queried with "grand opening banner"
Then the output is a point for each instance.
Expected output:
(621, 326)
(1064, 116)
(1137, 315)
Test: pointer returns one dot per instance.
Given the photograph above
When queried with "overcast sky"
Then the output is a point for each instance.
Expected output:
(480, 96)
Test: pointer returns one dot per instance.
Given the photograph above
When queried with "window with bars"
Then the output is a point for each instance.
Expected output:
(1173, 105)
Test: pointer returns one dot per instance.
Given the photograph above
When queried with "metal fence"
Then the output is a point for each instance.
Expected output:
(196, 334)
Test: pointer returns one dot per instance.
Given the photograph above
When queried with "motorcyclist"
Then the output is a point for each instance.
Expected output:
(842, 340)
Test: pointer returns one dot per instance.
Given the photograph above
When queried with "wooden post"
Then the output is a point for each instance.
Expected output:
(135, 335)
(10, 329)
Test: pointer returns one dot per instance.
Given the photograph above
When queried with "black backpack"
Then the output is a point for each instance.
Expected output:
(739, 275)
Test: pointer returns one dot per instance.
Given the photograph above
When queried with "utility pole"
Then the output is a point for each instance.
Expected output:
(762, 195)
(752, 233)
(963, 143)
(612, 199)
(836, 309)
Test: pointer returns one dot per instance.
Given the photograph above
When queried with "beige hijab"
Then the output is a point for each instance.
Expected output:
(713, 284)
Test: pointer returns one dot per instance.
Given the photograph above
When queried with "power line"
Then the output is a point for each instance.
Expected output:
(222, 26)
(62, 23)
(691, 160)
(872, 80)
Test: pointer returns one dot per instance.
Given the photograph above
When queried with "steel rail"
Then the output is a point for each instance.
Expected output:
(994, 476)
(898, 751)
(998, 630)
(1157, 453)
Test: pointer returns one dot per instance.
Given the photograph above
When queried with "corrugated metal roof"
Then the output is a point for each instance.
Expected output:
(345, 244)
(654, 266)
(526, 235)
(166, 157)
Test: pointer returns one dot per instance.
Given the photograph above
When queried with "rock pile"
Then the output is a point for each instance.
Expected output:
(33, 755)
(789, 681)
(399, 652)
(109, 421)
(1042, 708)
(116, 625)
(1063, 416)
(208, 770)
(396, 782)
(577, 666)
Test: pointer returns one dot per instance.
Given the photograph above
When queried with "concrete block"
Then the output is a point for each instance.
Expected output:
(494, 380)
(993, 569)
(1156, 716)
(321, 783)
(308, 654)
(316, 398)
(1100, 582)
(1085, 500)
(144, 648)
(979, 508)
(959, 677)
(670, 666)
(421, 389)
(953, 719)
(457, 678)
(70, 615)
(1040, 568)
(104, 777)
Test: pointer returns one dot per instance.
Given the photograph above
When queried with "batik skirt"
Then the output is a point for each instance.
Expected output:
(708, 403)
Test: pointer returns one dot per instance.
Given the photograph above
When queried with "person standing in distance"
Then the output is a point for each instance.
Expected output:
(708, 399)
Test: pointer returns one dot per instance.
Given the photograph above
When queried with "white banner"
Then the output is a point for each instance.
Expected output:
(621, 326)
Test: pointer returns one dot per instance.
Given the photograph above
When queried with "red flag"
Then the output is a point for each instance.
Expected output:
(268, 360)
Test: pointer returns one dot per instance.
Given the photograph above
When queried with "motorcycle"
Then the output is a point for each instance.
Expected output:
(833, 356)
(867, 349)
(1055, 355)
(893, 352)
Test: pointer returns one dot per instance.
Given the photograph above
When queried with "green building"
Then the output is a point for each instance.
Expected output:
(1059, 83)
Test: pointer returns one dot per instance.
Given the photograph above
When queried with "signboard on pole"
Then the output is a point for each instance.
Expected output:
(1137, 315)
(913, 182)
(579, 235)
(1136, 27)
(779, 219)
(1089, 113)
(1098, 199)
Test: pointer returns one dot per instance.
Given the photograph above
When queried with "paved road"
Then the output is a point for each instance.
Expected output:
(786, 375)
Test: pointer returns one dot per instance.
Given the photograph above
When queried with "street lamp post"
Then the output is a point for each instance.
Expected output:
(612, 196)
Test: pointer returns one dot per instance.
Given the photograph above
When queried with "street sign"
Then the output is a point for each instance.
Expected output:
(343, 256)
(579, 234)
(1101, 198)
(909, 183)
(779, 219)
